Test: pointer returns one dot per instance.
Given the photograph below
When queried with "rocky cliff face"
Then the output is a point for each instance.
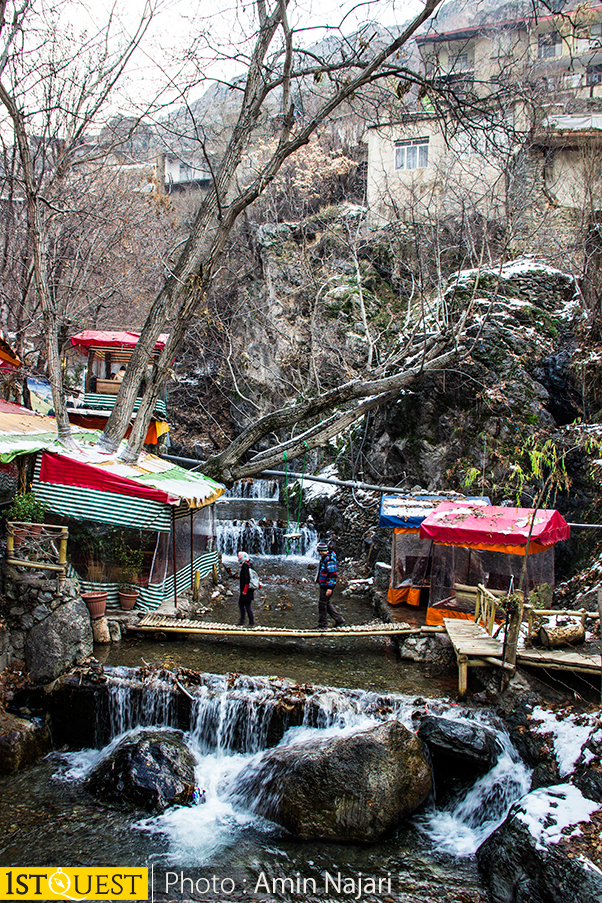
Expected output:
(517, 380)
(527, 375)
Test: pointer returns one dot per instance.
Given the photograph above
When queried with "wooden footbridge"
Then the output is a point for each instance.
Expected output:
(170, 624)
(479, 642)
(476, 643)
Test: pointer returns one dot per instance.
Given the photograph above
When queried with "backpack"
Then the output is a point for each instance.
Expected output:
(254, 579)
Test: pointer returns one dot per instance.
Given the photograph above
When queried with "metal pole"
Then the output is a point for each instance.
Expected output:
(355, 484)
(175, 576)
(191, 550)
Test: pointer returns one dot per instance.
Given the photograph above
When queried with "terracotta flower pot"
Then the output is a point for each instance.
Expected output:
(128, 598)
(96, 603)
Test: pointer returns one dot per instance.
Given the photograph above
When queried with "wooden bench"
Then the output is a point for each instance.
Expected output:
(107, 386)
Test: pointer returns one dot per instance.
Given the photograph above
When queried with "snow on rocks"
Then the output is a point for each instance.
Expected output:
(557, 831)
(558, 825)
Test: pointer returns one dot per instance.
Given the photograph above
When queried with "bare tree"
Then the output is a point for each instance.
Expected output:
(53, 88)
(277, 68)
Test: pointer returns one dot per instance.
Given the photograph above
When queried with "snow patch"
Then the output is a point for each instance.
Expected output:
(312, 490)
(550, 811)
(569, 737)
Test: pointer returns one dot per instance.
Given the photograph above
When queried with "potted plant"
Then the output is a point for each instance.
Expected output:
(96, 603)
(25, 511)
(130, 563)
(128, 596)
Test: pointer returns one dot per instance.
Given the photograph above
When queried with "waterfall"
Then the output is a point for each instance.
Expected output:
(236, 712)
(238, 718)
(229, 719)
(462, 826)
(133, 702)
(266, 490)
(265, 537)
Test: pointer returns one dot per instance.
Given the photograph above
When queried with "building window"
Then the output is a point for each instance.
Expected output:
(593, 75)
(587, 37)
(549, 45)
(461, 62)
(412, 154)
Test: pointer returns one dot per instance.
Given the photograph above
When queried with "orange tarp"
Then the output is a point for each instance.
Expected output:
(434, 616)
(410, 595)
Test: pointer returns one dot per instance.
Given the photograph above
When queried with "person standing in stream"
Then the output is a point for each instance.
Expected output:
(245, 600)
(327, 579)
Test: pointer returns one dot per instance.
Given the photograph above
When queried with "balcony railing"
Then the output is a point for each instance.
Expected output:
(37, 546)
(101, 401)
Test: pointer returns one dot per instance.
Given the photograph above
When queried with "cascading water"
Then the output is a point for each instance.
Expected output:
(265, 537)
(233, 718)
(462, 826)
(228, 721)
(133, 703)
(239, 528)
(266, 490)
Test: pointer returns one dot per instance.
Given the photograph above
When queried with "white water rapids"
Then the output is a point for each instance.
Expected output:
(229, 724)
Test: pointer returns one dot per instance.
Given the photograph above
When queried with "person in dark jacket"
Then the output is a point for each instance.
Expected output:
(245, 600)
(327, 578)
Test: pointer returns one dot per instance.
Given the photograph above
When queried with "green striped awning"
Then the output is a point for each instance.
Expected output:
(106, 507)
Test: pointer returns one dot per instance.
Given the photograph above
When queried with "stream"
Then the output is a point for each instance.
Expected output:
(47, 819)
(217, 850)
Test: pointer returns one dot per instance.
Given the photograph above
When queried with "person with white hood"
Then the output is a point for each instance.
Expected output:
(245, 600)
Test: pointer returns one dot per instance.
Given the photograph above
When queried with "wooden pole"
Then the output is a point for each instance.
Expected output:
(514, 623)
(90, 372)
(197, 585)
(63, 545)
(462, 676)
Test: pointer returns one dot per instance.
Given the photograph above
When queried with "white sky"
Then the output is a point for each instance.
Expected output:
(180, 28)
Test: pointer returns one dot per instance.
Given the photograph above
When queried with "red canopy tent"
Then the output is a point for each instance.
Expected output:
(99, 338)
(494, 529)
(473, 544)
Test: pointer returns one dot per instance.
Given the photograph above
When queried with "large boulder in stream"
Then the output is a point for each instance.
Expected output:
(459, 748)
(151, 769)
(547, 850)
(353, 788)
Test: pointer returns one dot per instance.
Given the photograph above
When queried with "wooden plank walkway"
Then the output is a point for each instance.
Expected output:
(472, 644)
(170, 624)
(473, 647)
(564, 659)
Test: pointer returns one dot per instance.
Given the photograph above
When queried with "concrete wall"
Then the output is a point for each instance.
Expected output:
(463, 172)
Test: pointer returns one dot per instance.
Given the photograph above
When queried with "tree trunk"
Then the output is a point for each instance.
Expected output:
(190, 276)
(39, 242)
(567, 635)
